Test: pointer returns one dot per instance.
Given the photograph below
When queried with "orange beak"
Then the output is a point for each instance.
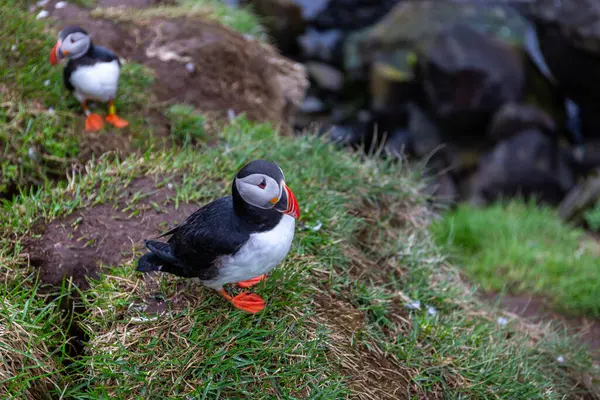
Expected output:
(292, 204)
(53, 55)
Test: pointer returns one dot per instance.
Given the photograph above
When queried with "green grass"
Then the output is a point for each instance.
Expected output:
(592, 218)
(370, 256)
(239, 19)
(337, 323)
(525, 249)
(31, 343)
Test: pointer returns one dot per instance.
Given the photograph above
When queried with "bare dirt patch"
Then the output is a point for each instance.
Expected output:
(535, 309)
(372, 373)
(78, 245)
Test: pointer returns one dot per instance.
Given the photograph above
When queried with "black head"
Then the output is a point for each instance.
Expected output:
(260, 186)
(66, 31)
(73, 42)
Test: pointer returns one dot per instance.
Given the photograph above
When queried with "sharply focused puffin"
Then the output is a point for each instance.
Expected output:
(92, 73)
(238, 238)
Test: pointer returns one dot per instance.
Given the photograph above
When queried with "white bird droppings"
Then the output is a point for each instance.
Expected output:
(414, 305)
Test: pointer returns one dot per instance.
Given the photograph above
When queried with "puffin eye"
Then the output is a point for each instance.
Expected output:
(263, 184)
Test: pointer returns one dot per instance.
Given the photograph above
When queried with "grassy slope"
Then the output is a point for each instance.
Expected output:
(371, 257)
(207, 349)
(525, 249)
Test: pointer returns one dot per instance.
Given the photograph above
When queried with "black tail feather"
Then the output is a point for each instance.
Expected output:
(150, 262)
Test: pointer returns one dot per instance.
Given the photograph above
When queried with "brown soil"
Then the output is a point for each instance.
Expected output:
(535, 309)
(230, 72)
(78, 245)
(373, 374)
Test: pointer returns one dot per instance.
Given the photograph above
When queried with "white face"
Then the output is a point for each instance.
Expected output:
(75, 45)
(259, 190)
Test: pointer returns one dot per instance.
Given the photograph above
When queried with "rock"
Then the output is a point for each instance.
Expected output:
(325, 76)
(568, 32)
(350, 15)
(284, 20)
(523, 165)
(323, 46)
(582, 197)
(390, 88)
(399, 143)
(311, 8)
(513, 118)
(467, 76)
(351, 135)
(443, 189)
(425, 134)
(312, 105)
(411, 24)
(577, 21)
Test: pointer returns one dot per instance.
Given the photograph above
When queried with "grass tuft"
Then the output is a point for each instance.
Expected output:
(524, 248)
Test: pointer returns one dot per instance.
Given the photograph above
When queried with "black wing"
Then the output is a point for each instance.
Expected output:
(103, 54)
(212, 231)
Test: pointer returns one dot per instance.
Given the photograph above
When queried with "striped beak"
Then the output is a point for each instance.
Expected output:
(287, 203)
(56, 54)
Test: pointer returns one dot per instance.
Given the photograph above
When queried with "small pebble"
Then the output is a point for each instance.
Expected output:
(502, 321)
(32, 153)
(431, 311)
(190, 67)
(60, 4)
(42, 14)
(560, 359)
(231, 114)
(414, 305)
(47, 82)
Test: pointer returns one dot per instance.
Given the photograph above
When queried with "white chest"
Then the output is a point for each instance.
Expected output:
(96, 82)
(261, 253)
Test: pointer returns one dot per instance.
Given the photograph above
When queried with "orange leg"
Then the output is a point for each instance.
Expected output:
(112, 117)
(93, 122)
(246, 301)
(252, 282)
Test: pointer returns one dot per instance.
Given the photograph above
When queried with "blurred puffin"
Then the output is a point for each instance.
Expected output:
(92, 73)
(237, 238)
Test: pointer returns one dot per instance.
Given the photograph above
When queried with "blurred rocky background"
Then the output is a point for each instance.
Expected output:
(492, 99)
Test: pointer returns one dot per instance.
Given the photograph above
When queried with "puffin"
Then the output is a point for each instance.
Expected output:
(234, 239)
(92, 74)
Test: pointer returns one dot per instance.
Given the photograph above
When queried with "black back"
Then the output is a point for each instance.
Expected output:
(219, 228)
(94, 55)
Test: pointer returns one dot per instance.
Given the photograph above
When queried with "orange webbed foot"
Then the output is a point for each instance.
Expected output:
(249, 302)
(252, 282)
(116, 121)
(246, 301)
(93, 122)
